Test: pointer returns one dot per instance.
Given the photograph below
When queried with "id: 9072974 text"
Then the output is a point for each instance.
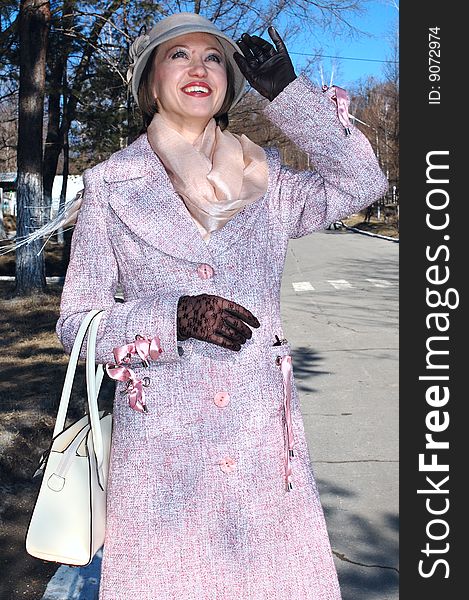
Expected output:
(434, 67)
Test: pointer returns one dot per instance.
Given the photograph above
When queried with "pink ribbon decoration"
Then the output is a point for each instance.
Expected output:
(146, 349)
(286, 368)
(340, 98)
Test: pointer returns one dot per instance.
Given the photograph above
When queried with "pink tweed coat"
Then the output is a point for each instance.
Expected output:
(198, 507)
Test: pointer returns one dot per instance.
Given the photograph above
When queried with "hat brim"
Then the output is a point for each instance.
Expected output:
(229, 46)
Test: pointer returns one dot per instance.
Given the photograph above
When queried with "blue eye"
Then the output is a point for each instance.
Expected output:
(214, 57)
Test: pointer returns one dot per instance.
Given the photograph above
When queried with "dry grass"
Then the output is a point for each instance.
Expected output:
(55, 264)
(32, 359)
(32, 371)
(390, 228)
(9, 222)
(32, 364)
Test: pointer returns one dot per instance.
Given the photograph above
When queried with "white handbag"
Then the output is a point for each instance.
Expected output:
(68, 520)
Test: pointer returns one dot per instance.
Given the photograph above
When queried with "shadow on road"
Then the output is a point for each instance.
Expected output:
(306, 365)
(368, 570)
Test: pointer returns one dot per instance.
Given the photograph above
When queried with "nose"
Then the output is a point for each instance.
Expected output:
(197, 68)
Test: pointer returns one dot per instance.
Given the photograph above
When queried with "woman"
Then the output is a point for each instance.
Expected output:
(211, 493)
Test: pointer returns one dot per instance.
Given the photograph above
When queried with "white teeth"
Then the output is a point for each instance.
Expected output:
(196, 88)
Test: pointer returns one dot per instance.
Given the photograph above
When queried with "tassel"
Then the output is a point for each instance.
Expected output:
(65, 219)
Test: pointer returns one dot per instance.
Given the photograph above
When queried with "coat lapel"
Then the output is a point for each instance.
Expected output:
(142, 196)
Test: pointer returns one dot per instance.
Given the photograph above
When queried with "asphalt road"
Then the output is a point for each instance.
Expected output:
(340, 314)
(344, 337)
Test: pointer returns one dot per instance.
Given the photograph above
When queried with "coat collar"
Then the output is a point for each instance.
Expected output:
(143, 197)
(131, 162)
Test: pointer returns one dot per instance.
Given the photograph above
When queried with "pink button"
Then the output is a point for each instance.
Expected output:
(222, 399)
(205, 271)
(227, 465)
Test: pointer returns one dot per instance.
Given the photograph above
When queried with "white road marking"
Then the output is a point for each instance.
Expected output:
(340, 284)
(381, 283)
(302, 286)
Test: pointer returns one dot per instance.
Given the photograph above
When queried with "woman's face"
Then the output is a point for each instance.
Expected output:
(189, 79)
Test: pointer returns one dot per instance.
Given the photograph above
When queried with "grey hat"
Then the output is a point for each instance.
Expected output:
(174, 26)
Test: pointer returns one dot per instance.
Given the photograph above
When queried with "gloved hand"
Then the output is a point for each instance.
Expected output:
(215, 320)
(267, 69)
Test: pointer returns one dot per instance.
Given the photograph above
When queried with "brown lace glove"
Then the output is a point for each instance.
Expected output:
(215, 320)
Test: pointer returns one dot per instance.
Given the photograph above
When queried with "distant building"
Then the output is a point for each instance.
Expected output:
(8, 191)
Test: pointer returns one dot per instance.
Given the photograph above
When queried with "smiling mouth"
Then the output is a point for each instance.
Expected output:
(197, 90)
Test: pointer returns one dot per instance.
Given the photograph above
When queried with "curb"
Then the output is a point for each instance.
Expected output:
(48, 279)
(75, 583)
(376, 235)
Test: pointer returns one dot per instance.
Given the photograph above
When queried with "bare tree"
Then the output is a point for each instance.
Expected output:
(34, 21)
(8, 132)
(64, 95)
(8, 84)
(376, 105)
(248, 115)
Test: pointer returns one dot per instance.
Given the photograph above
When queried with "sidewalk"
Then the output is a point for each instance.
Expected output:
(75, 583)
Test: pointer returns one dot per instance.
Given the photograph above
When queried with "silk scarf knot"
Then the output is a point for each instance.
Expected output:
(216, 176)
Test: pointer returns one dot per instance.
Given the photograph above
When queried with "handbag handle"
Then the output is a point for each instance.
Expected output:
(93, 390)
(70, 373)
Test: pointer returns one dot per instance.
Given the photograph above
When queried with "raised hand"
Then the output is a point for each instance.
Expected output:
(269, 70)
(214, 319)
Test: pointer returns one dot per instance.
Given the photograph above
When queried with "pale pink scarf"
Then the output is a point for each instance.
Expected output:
(216, 176)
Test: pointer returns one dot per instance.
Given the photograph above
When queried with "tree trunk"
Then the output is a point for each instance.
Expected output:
(53, 145)
(31, 212)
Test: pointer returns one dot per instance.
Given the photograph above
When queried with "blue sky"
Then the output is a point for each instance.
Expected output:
(378, 21)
